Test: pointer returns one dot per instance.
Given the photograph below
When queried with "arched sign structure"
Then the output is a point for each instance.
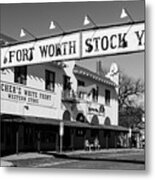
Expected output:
(77, 45)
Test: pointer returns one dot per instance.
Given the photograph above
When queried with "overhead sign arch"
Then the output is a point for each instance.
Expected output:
(77, 45)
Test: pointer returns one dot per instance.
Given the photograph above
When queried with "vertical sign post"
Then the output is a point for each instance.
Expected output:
(61, 133)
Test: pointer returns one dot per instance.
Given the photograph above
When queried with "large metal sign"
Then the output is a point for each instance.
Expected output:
(103, 41)
(113, 40)
(41, 51)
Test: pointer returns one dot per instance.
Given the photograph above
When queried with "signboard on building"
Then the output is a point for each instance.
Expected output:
(97, 109)
(113, 40)
(22, 94)
(41, 51)
(103, 41)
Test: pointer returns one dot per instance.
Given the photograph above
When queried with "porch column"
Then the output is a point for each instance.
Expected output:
(38, 141)
(72, 138)
(115, 140)
(17, 138)
(106, 141)
(61, 133)
(57, 142)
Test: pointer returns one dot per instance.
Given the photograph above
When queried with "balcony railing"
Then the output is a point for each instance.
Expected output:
(69, 95)
(72, 96)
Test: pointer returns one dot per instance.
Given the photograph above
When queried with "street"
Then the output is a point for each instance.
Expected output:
(127, 160)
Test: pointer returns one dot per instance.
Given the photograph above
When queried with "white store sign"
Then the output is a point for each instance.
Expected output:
(113, 40)
(22, 94)
(41, 51)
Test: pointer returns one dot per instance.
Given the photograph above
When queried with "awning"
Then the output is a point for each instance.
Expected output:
(56, 122)
(90, 126)
(29, 119)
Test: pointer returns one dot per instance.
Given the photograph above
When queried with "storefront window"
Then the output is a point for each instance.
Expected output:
(49, 80)
(20, 75)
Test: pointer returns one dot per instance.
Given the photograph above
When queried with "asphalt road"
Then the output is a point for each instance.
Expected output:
(115, 161)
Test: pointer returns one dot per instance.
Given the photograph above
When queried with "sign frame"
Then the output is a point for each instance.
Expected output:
(80, 46)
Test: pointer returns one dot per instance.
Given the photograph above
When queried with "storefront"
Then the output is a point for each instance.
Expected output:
(36, 98)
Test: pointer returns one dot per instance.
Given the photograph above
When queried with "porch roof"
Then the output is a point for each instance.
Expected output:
(56, 122)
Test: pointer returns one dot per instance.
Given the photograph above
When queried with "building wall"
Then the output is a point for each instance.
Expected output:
(35, 83)
(111, 110)
(55, 108)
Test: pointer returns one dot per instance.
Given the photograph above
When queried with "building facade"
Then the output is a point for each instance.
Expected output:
(39, 101)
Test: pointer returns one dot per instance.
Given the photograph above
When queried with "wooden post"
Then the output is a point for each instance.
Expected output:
(61, 143)
(57, 142)
(107, 141)
(38, 141)
(17, 139)
(115, 140)
(72, 139)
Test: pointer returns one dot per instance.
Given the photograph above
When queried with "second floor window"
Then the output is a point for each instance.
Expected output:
(95, 93)
(20, 75)
(66, 83)
(107, 97)
(81, 83)
(49, 80)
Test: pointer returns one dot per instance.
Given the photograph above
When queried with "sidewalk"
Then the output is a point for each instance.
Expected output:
(103, 151)
(95, 154)
(24, 156)
(8, 161)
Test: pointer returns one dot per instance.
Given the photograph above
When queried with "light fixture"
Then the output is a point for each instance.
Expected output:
(55, 24)
(52, 25)
(125, 14)
(88, 20)
(24, 31)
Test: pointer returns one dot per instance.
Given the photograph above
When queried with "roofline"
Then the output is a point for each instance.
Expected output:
(102, 79)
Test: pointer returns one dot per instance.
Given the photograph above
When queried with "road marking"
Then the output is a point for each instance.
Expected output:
(55, 163)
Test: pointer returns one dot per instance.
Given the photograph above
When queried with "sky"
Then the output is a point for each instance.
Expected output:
(36, 18)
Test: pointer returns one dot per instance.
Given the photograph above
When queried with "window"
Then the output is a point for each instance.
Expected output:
(49, 80)
(66, 84)
(81, 94)
(95, 93)
(20, 75)
(107, 97)
(81, 83)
